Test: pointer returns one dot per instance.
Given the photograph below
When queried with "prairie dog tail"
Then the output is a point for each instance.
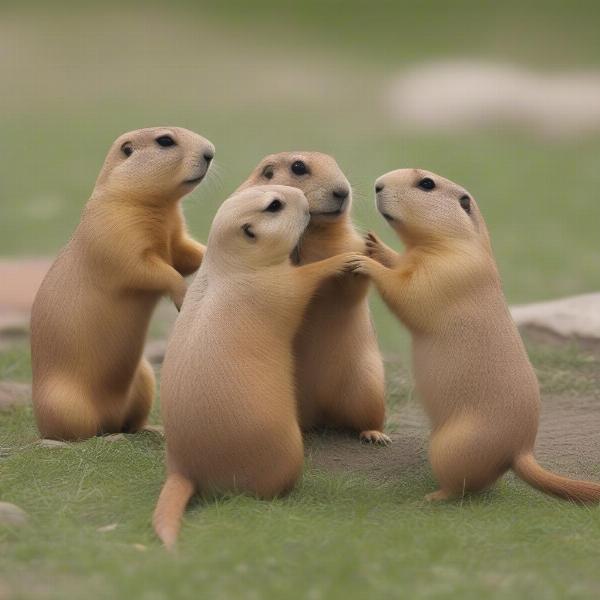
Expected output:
(170, 507)
(528, 469)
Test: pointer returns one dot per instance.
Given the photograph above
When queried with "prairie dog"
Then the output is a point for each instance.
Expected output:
(91, 314)
(470, 366)
(227, 386)
(339, 369)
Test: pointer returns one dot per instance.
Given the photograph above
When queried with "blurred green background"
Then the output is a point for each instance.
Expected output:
(268, 76)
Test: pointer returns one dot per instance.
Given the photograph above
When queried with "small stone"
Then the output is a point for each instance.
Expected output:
(155, 351)
(114, 437)
(576, 317)
(14, 394)
(155, 429)
(107, 528)
(140, 547)
(46, 443)
(12, 515)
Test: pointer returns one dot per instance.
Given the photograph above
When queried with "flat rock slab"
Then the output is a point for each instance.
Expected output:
(114, 437)
(11, 515)
(14, 394)
(576, 317)
(52, 444)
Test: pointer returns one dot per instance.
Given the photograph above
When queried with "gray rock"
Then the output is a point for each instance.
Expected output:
(114, 437)
(576, 317)
(12, 515)
(155, 351)
(46, 443)
(155, 429)
(107, 528)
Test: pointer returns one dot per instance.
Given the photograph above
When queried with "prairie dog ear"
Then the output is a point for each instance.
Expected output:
(248, 231)
(268, 171)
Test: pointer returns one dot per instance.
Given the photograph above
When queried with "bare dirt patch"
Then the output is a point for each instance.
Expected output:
(568, 442)
(461, 95)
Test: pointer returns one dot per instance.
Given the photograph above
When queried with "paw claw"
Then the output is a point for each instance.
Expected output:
(375, 437)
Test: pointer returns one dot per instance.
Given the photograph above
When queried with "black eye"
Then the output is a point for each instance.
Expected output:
(268, 172)
(247, 229)
(127, 149)
(465, 202)
(427, 184)
(299, 168)
(275, 206)
(165, 141)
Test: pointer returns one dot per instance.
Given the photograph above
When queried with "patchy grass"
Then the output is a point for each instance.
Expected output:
(15, 363)
(566, 369)
(336, 536)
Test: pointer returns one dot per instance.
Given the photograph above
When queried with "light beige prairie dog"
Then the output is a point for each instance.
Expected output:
(227, 385)
(470, 366)
(90, 317)
(339, 369)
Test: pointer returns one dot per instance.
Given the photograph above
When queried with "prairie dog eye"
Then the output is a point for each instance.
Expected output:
(268, 172)
(465, 203)
(127, 149)
(165, 141)
(275, 206)
(299, 168)
(247, 229)
(427, 184)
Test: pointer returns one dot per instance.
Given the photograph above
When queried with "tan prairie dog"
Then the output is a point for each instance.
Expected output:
(339, 369)
(470, 366)
(227, 385)
(91, 314)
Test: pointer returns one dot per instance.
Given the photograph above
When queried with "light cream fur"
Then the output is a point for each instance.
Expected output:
(91, 314)
(470, 366)
(339, 369)
(227, 387)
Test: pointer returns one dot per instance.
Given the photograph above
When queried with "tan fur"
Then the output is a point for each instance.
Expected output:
(470, 366)
(339, 370)
(227, 389)
(91, 314)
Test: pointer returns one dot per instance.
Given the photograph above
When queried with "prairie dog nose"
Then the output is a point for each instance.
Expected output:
(341, 193)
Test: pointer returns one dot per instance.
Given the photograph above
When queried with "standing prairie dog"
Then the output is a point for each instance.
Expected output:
(227, 386)
(470, 366)
(339, 369)
(91, 314)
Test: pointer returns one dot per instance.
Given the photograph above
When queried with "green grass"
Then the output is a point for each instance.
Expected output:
(279, 76)
(336, 536)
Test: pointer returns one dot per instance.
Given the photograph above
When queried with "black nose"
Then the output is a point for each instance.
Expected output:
(378, 188)
(341, 193)
(208, 156)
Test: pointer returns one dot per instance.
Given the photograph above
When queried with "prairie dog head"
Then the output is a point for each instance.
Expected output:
(318, 175)
(258, 227)
(155, 165)
(424, 207)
